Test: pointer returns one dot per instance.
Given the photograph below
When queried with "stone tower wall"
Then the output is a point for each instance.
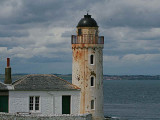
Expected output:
(82, 71)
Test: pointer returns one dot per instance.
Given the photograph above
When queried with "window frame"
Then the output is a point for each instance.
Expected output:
(91, 59)
(31, 103)
(70, 103)
(79, 32)
(34, 104)
(93, 103)
(93, 81)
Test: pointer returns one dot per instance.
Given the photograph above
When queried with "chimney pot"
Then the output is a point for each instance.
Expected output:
(8, 62)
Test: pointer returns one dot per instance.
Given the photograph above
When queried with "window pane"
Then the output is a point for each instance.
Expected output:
(37, 99)
(31, 99)
(31, 107)
(92, 81)
(36, 106)
(92, 104)
(37, 103)
(31, 103)
(79, 32)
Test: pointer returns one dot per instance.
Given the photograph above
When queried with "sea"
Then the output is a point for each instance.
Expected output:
(128, 99)
(132, 99)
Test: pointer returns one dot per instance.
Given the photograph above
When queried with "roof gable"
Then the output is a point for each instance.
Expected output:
(43, 82)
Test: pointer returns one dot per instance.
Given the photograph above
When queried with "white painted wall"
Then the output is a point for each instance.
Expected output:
(50, 101)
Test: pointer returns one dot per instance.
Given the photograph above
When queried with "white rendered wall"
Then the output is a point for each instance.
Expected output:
(50, 101)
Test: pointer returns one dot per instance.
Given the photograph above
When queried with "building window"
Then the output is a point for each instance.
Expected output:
(92, 81)
(79, 32)
(31, 103)
(34, 103)
(92, 104)
(92, 59)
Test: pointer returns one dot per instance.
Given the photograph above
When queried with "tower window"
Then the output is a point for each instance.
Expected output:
(79, 32)
(92, 81)
(91, 59)
(96, 32)
(92, 104)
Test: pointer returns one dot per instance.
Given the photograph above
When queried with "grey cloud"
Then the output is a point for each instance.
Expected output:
(124, 13)
(66, 34)
(13, 33)
(43, 11)
(11, 42)
(148, 37)
(37, 33)
(59, 45)
(121, 41)
(60, 58)
(138, 51)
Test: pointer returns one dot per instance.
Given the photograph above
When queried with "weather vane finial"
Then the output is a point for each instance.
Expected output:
(87, 12)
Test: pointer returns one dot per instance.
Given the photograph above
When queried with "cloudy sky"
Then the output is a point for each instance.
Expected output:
(35, 34)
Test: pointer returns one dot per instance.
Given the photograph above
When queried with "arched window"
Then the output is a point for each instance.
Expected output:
(92, 81)
(92, 59)
(92, 104)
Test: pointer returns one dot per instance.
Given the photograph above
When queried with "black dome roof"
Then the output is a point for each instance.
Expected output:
(87, 21)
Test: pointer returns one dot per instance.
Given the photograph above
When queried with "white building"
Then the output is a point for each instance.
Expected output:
(44, 94)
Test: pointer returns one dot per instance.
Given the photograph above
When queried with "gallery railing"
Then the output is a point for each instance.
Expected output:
(87, 39)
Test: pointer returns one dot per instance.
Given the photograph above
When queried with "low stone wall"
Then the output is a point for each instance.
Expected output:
(9, 116)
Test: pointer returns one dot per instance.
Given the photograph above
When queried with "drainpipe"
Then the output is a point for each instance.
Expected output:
(8, 79)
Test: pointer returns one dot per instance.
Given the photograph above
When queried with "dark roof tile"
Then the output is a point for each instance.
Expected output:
(3, 86)
(41, 82)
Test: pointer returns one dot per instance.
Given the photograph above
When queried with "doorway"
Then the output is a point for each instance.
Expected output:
(4, 104)
(66, 104)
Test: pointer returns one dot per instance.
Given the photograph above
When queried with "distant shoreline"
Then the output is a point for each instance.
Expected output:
(68, 77)
(131, 77)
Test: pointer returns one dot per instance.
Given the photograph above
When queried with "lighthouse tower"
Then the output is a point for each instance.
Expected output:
(87, 66)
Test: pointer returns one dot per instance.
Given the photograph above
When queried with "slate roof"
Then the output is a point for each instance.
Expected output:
(43, 82)
(3, 86)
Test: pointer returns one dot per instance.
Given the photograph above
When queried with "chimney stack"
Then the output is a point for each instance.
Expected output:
(8, 79)
(8, 62)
